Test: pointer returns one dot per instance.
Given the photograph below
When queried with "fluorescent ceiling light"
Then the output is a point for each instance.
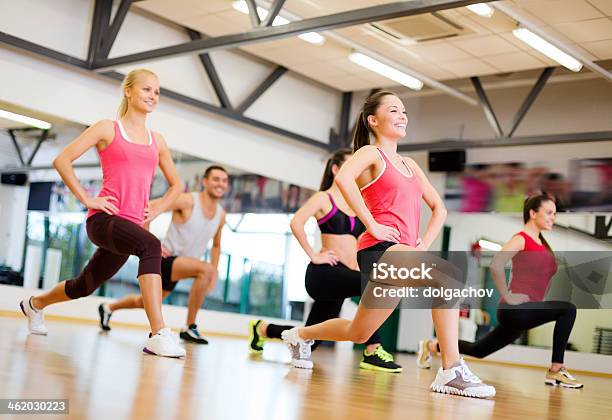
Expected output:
(481, 9)
(33, 122)
(547, 49)
(489, 245)
(310, 37)
(386, 71)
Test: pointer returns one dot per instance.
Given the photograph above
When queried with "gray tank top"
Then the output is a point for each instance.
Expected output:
(190, 239)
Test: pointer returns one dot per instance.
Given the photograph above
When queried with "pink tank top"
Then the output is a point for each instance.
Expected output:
(127, 173)
(532, 270)
(394, 199)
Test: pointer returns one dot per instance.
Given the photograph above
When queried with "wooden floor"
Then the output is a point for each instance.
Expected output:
(106, 376)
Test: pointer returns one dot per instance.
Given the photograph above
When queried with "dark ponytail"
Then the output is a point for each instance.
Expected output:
(361, 135)
(534, 203)
(337, 158)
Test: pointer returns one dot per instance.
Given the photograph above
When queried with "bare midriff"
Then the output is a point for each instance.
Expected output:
(344, 246)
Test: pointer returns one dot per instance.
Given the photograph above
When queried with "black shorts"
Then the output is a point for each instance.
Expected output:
(368, 256)
(166, 273)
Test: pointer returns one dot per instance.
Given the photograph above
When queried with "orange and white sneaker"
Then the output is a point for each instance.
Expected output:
(562, 378)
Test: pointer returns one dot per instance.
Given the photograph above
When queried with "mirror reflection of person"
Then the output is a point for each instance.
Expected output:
(196, 219)
(522, 306)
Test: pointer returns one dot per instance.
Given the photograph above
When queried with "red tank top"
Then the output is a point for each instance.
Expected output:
(127, 173)
(394, 199)
(532, 270)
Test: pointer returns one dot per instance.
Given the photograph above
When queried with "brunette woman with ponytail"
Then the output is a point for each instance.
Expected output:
(386, 192)
(332, 274)
(522, 304)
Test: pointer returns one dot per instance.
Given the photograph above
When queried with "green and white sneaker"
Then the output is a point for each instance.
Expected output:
(255, 340)
(380, 360)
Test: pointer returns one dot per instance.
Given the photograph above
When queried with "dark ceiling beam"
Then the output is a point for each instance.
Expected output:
(108, 39)
(535, 91)
(253, 15)
(67, 59)
(211, 71)
(99, 26)
(273, 12)
(231, 114)
(259, 90)
(269, 33)
(487, 107)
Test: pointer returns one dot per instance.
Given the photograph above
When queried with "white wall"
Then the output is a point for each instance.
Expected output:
(578, 106)
(85, 97)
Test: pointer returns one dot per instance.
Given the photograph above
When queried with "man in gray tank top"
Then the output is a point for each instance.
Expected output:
(196, 219)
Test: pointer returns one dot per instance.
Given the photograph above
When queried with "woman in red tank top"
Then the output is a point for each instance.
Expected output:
(129, 155)
(522, 304)
(386, 192)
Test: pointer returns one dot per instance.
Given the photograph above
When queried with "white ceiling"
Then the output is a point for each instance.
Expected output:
(485, 46)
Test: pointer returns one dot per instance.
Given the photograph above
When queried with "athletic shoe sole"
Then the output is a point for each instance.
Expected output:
(302, 364)
(186, 337)
(24, 314)
(368, 366)
(468, 392)
(556, 382)
(146, 350)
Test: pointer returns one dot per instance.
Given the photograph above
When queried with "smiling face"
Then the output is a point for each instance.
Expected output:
(143, 95)
(216, 183)
(544, 217)
(390, 119)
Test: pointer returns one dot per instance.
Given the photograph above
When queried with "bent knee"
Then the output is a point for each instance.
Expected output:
(359, 336)
(150, 247)
(205, 270)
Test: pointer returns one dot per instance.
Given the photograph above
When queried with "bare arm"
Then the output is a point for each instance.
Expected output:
(215, 252)
(346, 179)
(308, 210)
(508, 251)
(174, 182)
(101, 133)
(435, 203)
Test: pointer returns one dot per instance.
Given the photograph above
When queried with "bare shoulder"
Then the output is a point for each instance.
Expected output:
(183, 202)
(161, 140)
(368, 150)
(318, 197)
(411, 161)
(105, 129)
(517, 243)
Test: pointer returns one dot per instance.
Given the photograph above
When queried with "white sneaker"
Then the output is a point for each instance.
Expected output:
(299, 348)
(36, 318)
(164, 343)
(458, 380)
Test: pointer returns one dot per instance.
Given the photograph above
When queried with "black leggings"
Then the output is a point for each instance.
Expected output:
(514, 320)
(117, 239)
(328, 285)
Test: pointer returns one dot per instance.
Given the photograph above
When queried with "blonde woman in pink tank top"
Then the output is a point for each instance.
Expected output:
(386, 191)
(129, 155)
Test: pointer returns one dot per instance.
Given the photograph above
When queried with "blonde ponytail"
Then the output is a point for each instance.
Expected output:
(128, 82)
